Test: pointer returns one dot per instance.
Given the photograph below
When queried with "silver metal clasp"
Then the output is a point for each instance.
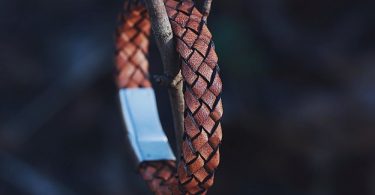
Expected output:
(144, 130)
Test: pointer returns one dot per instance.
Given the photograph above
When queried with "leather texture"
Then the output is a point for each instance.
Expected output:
(132, 47)
(202, 94)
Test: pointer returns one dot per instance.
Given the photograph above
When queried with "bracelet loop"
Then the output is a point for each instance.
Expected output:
(202, 88)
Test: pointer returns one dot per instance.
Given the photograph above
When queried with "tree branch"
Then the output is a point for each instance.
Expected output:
(164, 39)
(206, 9)
(204, 6)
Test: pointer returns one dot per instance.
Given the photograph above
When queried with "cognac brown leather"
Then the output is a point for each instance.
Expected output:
(132, 47)
(202, 94)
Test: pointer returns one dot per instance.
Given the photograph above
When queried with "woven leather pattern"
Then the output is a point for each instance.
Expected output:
(202, 94)
(132, 72)
(132, 47)
(160, 176)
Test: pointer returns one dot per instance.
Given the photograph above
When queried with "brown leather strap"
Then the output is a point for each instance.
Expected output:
(202, 94)
(132, 47)
(160, 176)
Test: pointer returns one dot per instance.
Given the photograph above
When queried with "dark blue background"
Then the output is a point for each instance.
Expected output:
(299, 98)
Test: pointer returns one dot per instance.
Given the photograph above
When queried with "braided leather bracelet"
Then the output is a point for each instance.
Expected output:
(202, 97)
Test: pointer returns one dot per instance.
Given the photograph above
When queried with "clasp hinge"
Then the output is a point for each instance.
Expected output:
(143, 127)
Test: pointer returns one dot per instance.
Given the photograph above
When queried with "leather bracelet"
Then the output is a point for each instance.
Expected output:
(202, 88)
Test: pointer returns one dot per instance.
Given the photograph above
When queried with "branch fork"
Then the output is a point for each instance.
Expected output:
(172, 77)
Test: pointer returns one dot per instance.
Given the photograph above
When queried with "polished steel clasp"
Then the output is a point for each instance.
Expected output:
(144, 131)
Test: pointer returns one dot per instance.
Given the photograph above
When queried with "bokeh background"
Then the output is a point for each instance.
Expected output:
(299, 98)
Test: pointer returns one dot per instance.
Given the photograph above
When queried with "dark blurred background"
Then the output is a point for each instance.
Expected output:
(299, 98)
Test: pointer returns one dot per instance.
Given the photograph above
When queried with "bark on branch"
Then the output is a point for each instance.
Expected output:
(206, 8)
(164, 38)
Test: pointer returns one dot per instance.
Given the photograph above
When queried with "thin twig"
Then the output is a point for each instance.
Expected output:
(206, 9)
(164, 39)
(204, 6)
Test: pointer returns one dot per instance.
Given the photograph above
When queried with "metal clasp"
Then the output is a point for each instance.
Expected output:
(144, 130)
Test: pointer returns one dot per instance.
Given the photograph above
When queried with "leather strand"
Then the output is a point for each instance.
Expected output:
(132, 47)
(202, 94)
(160, 176)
